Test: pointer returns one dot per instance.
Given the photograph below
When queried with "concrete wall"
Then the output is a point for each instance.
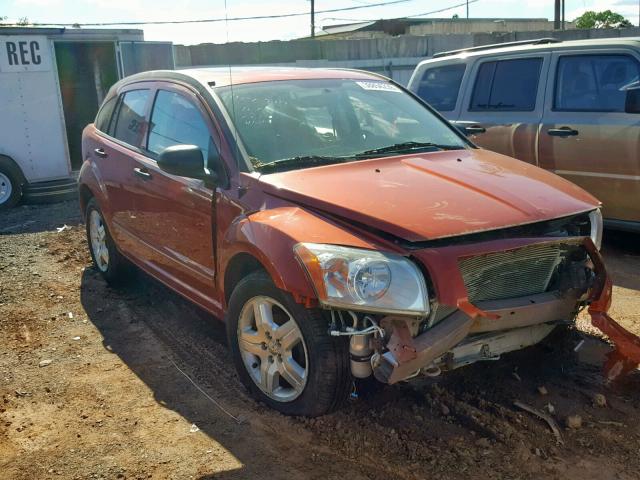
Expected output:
(395, 57)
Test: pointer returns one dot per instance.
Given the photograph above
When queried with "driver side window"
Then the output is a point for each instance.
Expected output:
(176, 121)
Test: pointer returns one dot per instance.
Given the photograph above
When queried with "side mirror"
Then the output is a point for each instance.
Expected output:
(632, 100)
(185, 161)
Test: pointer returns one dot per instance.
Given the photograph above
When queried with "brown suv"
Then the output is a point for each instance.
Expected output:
(342, 229)
(569, 107)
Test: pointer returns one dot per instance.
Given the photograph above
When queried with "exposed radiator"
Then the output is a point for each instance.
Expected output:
(510, 274)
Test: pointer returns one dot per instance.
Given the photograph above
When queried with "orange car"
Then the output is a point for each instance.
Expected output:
(340, 227)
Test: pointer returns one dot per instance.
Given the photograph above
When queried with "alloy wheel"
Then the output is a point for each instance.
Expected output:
(273, 349)
(98, 235)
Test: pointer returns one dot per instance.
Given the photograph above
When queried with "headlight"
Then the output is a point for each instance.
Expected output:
(366, 280)
(595, 217)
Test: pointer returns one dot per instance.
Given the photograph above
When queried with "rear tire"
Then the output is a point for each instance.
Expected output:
(113, 267)
(321, 380)
(11, 181)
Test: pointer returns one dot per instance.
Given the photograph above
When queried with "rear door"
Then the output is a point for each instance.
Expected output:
(175, 214)
(503, 103)
(122, 124)
(586, 136)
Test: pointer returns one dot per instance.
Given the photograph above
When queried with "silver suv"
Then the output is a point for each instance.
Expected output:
(570, 107)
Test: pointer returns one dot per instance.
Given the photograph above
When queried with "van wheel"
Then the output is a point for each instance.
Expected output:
(11, 181)
(283, 352)
(107, 259)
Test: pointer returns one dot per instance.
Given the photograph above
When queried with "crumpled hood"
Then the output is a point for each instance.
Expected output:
(433, 195)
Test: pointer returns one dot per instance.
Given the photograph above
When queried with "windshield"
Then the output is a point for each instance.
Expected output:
(331, 120)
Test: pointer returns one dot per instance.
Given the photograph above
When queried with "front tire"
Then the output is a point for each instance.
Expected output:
(114, 268)
(283, 352)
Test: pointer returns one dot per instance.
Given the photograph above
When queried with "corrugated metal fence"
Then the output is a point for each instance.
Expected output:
(395, 57)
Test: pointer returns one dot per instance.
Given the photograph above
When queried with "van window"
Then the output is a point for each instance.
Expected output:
(176, 121)
(104, 115)
(594, 83)
(130, 123)
(507, 85)
(439, 86)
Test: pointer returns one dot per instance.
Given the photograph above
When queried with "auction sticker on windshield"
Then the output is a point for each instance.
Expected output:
(383, 86)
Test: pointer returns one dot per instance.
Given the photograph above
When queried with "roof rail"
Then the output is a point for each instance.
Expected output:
(536, 41)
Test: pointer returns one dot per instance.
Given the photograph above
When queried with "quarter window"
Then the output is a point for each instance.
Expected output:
(130, 123)
(595, 83)
(507, 85)
(176, 121)
(439, 86)
(104, 115)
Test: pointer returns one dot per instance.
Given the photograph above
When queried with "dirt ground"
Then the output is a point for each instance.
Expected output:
(138, 383)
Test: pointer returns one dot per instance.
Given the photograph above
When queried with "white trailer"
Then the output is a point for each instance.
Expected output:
(52, 82)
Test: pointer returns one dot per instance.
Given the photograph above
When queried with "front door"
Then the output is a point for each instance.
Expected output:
(176, 214)
(503, 109)
(586, 136)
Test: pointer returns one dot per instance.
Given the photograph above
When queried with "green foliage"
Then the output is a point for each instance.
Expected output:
(605, 19)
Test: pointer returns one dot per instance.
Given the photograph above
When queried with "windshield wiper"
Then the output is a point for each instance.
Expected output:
(407, 147)
(297, 162)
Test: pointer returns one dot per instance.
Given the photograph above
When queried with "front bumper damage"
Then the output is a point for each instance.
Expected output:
(484, 330)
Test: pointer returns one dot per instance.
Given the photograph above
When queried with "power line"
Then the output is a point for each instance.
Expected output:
(212, 20)
(406, 16)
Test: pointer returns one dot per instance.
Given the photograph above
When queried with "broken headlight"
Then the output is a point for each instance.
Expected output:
(367, 280)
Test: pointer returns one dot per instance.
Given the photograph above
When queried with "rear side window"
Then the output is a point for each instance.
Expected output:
(176, 121)
(595, 83)
(129, 123)
(104, 115)
(507, 85)
(439, 86)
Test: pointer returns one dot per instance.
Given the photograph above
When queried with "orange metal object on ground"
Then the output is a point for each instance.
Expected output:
(626, 356)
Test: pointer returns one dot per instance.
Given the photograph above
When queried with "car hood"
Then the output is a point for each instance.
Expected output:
(433, 195)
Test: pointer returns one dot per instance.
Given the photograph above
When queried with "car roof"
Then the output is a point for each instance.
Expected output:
(224, 76)
(535, 46)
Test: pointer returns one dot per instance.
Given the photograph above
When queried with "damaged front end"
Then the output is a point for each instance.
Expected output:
(488, 298)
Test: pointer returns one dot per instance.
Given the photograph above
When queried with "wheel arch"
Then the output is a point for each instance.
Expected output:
(85, 195)
(240, 266)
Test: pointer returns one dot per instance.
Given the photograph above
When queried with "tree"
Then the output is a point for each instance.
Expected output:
(605, 19)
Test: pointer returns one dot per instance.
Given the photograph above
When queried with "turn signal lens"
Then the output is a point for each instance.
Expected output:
(595, 217)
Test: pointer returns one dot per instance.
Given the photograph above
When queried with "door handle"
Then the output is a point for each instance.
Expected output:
(100, 152)
(142, 173)
(562, 132)
(475, 129)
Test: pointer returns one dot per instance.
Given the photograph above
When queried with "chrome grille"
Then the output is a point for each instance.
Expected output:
(512, 273)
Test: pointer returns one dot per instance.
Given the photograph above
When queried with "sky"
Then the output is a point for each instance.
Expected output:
(79, 11)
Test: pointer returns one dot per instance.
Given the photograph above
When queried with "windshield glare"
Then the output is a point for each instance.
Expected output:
(330, 118)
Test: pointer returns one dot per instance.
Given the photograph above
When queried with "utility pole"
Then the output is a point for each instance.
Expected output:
(556, 15)
(313, 19)
(563, 14)
(468, 9)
